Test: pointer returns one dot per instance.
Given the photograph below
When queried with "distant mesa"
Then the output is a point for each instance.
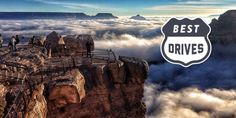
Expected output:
(104, 16)
(138, 17)
(53, 15)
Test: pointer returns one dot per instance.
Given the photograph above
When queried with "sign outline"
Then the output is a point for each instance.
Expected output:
(193, 62)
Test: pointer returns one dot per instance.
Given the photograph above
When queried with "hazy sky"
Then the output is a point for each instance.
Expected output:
(122, 7)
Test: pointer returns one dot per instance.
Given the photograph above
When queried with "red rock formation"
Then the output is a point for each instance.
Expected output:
(75, 87)
(115, 90)
(52, 39)
(67, 90)
(37, 107)
(3, 90)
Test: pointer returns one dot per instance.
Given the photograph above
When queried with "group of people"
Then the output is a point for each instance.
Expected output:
(61, 43)
(12, 43)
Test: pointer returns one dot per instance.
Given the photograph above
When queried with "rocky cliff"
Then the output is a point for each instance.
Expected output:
(223, 29)
(113, 90)
(70, 86)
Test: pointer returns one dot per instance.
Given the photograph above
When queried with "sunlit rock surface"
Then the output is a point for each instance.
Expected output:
(37, 107)
(3, 90)
(68, 89)
(71, 86)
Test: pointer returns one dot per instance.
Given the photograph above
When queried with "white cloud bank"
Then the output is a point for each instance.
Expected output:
(201, 91)
(128, 45)
(74, 26)
(190, 103)
(124, 36)
(207, 90)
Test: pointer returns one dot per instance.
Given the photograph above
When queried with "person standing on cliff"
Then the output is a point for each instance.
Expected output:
(61, 44)
(1, 40)
(12, 44)
(17, 40)
(88, 47)
(32, 41)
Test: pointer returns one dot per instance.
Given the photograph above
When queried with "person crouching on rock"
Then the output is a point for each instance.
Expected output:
(1, 40)
(88, 47)
(12, 44)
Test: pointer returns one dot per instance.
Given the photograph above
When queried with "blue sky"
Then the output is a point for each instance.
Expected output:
(122, 7)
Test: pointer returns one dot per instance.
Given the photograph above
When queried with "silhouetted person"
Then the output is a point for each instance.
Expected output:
(88, 47)
(17, 40)
(1, 40)
(10, 100)
(32, 41)
(49, 49)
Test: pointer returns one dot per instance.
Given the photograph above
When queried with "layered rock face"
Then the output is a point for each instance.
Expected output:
(223, 30)
(68, 89)
(2, 100)
(113, 90)
(76, 86)
(37, 107)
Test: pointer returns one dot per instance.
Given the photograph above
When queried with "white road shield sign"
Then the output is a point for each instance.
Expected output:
(186, 41)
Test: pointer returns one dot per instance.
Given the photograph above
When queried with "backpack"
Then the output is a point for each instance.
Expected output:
(10, 43)
(17, 40)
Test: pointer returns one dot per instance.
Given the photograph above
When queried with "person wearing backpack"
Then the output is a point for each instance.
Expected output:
(17, 40)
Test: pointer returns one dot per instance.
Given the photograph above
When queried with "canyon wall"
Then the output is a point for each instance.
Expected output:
(76, 87)
(113, 90)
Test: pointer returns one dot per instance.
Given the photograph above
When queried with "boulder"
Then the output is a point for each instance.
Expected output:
(68, 89)
(51, 40)
(78, 42)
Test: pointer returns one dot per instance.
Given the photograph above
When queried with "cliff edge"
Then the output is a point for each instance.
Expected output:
(69, 83)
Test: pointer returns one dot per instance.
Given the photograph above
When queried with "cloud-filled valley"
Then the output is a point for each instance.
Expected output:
(171, 91)
(98, 28)
(200, 91)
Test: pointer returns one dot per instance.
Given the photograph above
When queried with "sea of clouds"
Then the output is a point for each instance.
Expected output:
(141, 38)
(207, 90)
(102, 29)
